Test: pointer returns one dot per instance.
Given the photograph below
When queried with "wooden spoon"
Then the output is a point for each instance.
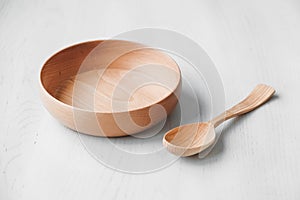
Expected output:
(191, 139)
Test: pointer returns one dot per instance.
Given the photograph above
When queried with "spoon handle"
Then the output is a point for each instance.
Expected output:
(256, 98)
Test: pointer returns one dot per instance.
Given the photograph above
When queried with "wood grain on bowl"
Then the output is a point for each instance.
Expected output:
(110, 88)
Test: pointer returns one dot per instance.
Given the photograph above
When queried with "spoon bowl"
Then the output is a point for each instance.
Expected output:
(189, 139)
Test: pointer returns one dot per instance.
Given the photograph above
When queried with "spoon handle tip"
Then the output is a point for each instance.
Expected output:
(259, 95)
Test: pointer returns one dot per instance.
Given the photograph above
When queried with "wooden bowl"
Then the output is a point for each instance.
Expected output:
(110, 87)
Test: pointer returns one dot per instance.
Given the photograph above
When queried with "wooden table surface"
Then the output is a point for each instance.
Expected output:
(257, 157)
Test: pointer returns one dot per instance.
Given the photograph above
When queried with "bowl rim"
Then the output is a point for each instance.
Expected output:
(176, 87)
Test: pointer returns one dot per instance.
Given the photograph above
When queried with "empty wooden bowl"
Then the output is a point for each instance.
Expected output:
(110, 88)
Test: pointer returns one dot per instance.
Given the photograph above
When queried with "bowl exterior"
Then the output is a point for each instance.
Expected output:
(108, 124)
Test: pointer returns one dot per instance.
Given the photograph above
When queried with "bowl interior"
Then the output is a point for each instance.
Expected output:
(110, 76)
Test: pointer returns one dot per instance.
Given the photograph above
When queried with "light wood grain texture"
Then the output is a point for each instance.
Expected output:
(257, 156)
(109, 88)
(190, 139)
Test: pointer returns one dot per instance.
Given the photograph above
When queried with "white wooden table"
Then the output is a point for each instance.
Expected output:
(258, 156)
